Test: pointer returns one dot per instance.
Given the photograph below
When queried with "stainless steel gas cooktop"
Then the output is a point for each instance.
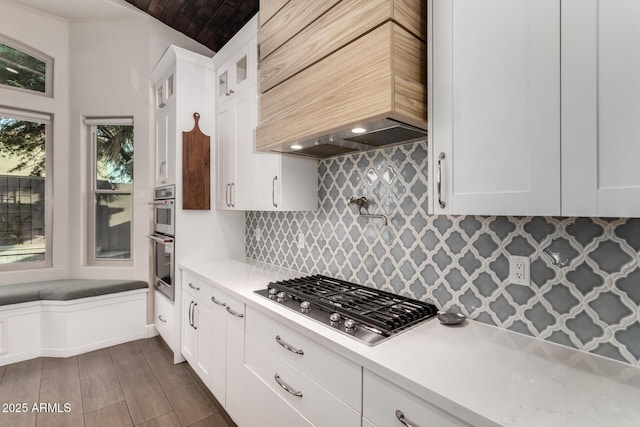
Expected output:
(364, 313)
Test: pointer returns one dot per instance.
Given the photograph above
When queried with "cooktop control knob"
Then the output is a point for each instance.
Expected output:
(334, 319)
(272, 293)
(281, 296)
(305, 306)
(349, 326)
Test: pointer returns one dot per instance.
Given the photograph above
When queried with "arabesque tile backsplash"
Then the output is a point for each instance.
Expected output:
(585, 272)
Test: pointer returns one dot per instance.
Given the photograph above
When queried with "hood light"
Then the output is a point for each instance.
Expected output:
(11, 70)
(358, 130)
(296, 147)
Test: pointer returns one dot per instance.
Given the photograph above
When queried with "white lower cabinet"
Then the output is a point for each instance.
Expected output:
(163, 317)
(386, 404)
(317, 383)
(197, 326)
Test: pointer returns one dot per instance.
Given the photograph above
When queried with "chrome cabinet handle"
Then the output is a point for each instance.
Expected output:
(234, 313)
(191, 314)
(439, 181)
(161, 319)
(273, 191)
(400, 416)
(288, 347)
(233, 195)
(197, 288)
(218, 302)
(227, 195)
(195, 304)
(286, 387)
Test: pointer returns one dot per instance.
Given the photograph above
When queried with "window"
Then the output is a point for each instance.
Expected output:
(111, 200)
(25, 190)
(22, 67)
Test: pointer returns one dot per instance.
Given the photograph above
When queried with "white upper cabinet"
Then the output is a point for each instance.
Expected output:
(495, 107)
(165, 111)
(600, 108)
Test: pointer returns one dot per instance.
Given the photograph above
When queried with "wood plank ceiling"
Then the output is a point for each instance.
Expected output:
(209, 22)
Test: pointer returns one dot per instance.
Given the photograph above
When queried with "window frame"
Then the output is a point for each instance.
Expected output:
(48, 70)
(47, 120)
(91, 124)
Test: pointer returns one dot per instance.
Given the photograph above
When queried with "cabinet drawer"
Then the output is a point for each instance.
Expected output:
(197, 288)
(381, 400)
(315, 403)
(163, 317)
(331, 371)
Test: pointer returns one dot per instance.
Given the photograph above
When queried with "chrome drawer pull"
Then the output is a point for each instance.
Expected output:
(161, 319)
(400, 416)
(234, 313)
(218, 302)
(288, 347)
(287, 387)
(194, 287)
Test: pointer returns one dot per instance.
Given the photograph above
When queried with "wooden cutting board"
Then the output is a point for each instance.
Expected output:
(196, 168)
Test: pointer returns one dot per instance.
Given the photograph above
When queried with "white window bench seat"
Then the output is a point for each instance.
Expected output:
(62, 318)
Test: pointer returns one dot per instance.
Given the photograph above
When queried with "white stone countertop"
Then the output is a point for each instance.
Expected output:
(485, 375)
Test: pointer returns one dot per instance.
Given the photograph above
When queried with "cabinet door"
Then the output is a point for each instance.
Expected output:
(189, 346)
(600, 105)
(202, 319)
(218, 338)
(267, 185)
(163, 317)
(236, 403)
(162, 129)
(496, 107)
(226, 156)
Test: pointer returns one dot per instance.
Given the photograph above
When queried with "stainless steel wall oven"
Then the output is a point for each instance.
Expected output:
(163, 240)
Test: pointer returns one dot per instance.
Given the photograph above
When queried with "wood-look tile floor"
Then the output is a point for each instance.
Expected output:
(132, 384)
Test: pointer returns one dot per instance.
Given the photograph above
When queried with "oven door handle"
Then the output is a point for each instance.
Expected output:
(162, 202)
(164, 239)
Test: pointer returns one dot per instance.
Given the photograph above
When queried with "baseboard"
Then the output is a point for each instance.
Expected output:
(68, 352)
(151, 331)
(20, 357)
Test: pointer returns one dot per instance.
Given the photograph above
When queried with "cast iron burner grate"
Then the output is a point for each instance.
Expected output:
(374, 311)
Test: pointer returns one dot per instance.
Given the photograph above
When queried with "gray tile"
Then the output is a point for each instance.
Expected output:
(419, 222)
(561, 298)
(610, 257)
(485, 284)
(539, 228)
(429, 275)
(500, 266)
(485, 245)
(630, 232)
(398, 157)
(418, 289)
(560, 252)
(584, 230)
(470, 225)
(609, 350)
(408, 238)
(520, 246)
(407, 271)
(455, 242)
(408, 172)
(470, 263)
(610, 308)
(470, 301)
(442, 224)
(502, 227)
(631, 285)
(521, 327)
(520, 294)
(560, 337)
(441, 259)
(540, 317)
(389, 175)
(502, 308)
(485, 317)
(455, 280)
(418, 256)
(584, 327)
(585, 279)
(541, 273)
(430, 240)
(630, 338)
(442, 294)
(419, 154)
(419, 189)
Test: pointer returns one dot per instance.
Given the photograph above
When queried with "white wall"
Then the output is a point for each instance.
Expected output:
(50, 36)
(101, 69)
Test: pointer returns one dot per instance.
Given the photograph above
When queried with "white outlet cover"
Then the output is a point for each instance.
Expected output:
(258, 234)
(520, 270)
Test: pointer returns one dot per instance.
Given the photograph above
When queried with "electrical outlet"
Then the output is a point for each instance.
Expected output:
(257, 234)
(520, 270)
(300, 241)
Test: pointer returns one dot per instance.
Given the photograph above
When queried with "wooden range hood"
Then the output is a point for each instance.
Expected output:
(337, 66)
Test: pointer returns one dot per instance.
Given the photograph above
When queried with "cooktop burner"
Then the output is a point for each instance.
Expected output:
(367, 314)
